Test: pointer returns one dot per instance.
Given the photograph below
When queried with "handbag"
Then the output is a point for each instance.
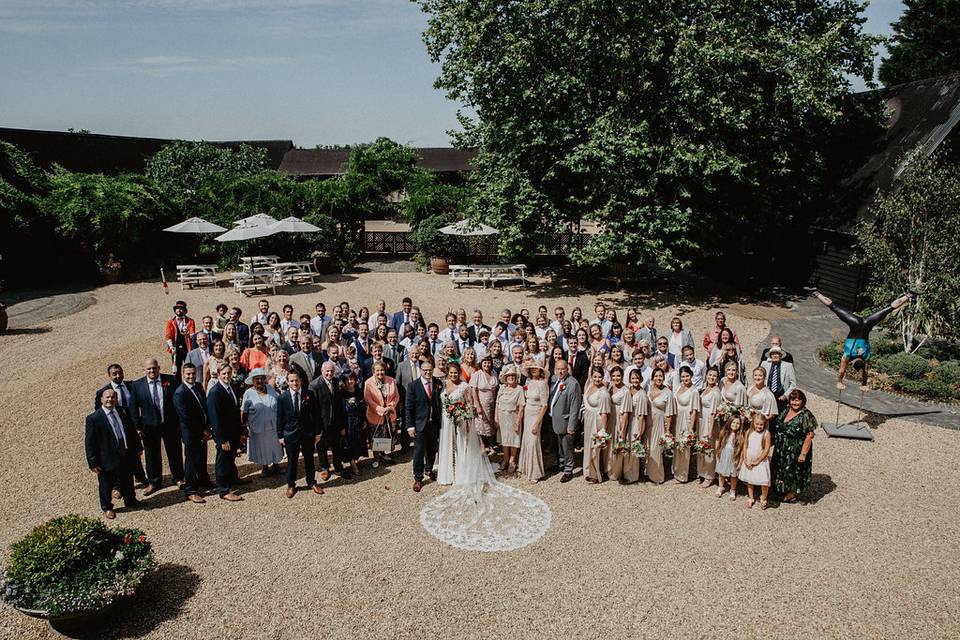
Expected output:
(382, 439)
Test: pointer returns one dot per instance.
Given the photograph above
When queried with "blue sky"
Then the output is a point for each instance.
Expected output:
(314, 71)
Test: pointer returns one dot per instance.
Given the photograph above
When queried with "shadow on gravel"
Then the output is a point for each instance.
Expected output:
(25, 331)
(162, 596)
(821, 485)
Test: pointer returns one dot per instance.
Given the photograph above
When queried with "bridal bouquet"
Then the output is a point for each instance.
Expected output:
(457, 410)
(727, 410)
(638, 449)
(705, 447)
(686, 440)
(600, 439)
(667, 443)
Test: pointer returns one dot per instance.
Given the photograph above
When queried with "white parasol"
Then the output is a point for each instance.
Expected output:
(246, 232)
(195, 225)
(292, 224)
(468, 228)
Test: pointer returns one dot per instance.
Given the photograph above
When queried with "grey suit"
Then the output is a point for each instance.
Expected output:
(563, 408)
(650, 335)
(788, 376)
(196, 358)
(308, 363)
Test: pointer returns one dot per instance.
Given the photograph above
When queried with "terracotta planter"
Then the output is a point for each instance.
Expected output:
(73, 625)
(110, 274)
(440, 266)
(325, 264)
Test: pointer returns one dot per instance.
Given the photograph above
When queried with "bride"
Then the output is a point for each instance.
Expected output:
(477, 512)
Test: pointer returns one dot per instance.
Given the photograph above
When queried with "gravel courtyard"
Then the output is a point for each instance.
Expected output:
(875, 553)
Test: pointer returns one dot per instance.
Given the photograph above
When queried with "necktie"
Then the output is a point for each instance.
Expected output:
(118, 429)
(121, 395)
(429, 388)
(553, 396)
(774, 380)
(156, 399)
(296, 402)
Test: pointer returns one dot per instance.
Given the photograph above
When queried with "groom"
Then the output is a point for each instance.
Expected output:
(563, 410)
(423, 413)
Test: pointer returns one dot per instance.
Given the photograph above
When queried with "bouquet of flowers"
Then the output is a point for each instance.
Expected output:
(686, 440)
(638, 449)
(727, 410)
(667, 443)
(620, 446)
(457, 410)
(705, 447)
(600, 439)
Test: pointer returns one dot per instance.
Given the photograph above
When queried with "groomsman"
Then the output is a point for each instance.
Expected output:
(223, 411)
(125, 403)
(111, 444)
(190, 403)
(296, 430)
(157, 424)
(329, 422)
(403, 317)
(563, 410)
(423, 414)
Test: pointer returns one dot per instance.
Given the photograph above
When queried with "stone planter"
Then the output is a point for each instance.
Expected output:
(440, 266)
(73, 625)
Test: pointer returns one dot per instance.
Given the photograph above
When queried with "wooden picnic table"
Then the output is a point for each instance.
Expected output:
(246, 282)
(293, 272)
(483, 273)
(196, 274)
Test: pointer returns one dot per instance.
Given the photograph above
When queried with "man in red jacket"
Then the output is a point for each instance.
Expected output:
(177, 334)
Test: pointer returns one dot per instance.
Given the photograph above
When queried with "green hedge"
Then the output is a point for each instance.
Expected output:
(907, 365)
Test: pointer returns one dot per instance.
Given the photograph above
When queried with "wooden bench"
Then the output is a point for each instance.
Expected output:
(190, 275)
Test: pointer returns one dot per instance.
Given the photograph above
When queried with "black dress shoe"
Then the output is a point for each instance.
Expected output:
(433, 476)
(567, 477)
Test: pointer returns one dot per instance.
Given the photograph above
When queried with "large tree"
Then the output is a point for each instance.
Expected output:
(925, 42)
(682, 127)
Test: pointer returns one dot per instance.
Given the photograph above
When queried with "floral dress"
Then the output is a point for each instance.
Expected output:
(486, 386)
(788, 436)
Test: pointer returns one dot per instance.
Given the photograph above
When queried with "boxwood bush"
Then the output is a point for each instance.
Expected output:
(72, 563)
(908, 365)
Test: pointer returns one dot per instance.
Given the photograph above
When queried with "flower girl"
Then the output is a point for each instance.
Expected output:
(729, 448)
(755, 469)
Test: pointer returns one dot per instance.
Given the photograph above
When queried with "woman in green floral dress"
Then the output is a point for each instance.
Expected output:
(793, 443)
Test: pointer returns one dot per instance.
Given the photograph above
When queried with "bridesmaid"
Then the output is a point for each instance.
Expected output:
(688, 407)
(598, 344)
(662, 409)
(732, 389)
(620, 418)
(483, 389)
(615, 359)
(709, 401)
(536, 395)
(759, 397)
(639, 418)
(596, 412)
(508, 416)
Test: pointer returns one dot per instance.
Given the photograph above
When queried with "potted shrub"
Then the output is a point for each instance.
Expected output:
(111, 270)
(71, 571)
(323, 262)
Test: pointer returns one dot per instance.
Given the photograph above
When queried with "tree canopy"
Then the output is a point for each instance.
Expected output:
(684, 128)
(925, 42)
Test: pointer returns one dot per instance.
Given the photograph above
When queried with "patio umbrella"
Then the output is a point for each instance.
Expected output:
(293, 225)
(246, 232)
(258, 220)
(468, 228)
(195, 225)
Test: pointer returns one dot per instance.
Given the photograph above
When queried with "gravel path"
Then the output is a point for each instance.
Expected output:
(875, 554)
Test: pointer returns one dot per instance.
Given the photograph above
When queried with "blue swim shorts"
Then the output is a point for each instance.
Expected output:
(856, 348)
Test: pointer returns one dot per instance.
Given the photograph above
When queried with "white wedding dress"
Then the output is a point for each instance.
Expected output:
(478, 513)
(447, 435)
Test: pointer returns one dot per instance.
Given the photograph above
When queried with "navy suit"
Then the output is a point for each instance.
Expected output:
(297, 428)
(157, 428)
(366, 367)
(223, 412)
(114, 458)
(423, 414)
(396, 321)
(138, 473)
(191, 407)
(475, 333)
(243, 334)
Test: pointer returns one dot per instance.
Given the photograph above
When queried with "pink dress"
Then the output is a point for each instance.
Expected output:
(486, 386)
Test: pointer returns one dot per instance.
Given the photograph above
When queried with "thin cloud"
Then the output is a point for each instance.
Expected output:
(166, 65)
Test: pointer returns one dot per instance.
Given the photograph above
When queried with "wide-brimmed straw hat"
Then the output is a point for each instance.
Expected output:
(509, 370)
(259, 371)
(533, 364)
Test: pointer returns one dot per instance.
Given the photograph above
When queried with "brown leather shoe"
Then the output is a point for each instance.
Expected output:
(417, 485)
(116, 494)
(291, 492)
(231, 497)
(196, 498)
(109, 514)
(150, 490)
(324, 475)
(317, 489)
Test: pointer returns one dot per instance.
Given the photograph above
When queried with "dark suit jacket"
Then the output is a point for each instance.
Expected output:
(224, 416)
(96, 399)
(327, 416)
(474, 334)
(293, 425)
(420, 411)
(192, 413)
(581, 367)
(396, 321)
(101, 444)
(367, 367)
(243, 334)
(211, 337)
(144, 413)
